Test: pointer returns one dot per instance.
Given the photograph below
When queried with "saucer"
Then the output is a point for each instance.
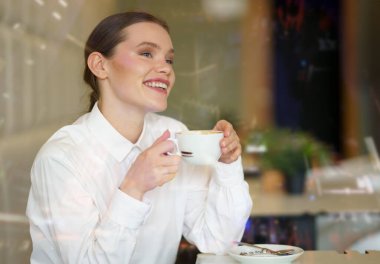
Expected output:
(246, 254)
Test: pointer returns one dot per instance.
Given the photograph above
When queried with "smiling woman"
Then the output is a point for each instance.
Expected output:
(104, 189)
(101, 44)
(137, 63)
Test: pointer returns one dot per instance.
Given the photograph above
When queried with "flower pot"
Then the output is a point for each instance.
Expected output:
(295, 183)
(272, 181)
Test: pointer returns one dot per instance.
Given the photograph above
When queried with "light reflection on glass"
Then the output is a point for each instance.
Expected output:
(41, 89)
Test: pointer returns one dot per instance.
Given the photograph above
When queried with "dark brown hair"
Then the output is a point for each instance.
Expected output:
(106, 36)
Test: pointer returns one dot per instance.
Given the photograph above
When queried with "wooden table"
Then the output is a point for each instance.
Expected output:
(309, 257)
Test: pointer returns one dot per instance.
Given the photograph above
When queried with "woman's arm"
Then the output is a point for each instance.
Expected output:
(67, 223)
(216, 215)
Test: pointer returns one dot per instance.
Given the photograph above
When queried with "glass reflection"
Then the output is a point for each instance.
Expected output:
(229, 65)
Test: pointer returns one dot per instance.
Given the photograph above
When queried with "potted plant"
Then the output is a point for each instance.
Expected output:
(292, 153)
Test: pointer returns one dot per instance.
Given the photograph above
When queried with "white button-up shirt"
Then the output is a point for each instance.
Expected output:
(78, 214)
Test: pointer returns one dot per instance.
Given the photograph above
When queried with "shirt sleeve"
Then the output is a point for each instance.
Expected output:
(66, 219)
(217, 210)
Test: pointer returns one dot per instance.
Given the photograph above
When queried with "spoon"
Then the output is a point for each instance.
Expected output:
(268, 250)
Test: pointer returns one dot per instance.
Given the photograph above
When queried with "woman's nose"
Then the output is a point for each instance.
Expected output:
(164, 67)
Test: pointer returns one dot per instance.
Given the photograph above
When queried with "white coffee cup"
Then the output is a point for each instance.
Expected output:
(198, 147)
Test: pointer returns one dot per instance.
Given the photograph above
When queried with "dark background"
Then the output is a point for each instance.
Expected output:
(307, 87)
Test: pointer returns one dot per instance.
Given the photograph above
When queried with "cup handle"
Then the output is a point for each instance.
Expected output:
(177, 151)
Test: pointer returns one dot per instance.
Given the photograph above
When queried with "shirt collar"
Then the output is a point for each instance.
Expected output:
(109, 137)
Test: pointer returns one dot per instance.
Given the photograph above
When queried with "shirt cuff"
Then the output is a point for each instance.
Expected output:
(127, 211)
(229, 174)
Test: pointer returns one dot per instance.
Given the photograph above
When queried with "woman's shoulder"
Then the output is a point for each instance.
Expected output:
(64, 140)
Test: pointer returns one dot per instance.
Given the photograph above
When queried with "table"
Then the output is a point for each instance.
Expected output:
(283, 204)
(309, 257)
(348, 219)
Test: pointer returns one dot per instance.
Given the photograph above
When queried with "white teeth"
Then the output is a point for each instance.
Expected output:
(157, 84)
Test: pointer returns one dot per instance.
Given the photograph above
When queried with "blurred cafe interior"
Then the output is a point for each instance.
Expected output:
(298, 79)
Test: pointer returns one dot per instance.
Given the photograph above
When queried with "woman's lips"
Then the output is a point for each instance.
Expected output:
(156, 84)
(159, 85)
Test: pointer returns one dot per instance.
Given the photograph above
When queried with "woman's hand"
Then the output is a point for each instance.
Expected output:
(152, 168)
(230, 144)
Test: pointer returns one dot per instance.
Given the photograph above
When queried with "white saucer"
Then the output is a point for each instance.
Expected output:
(255, 256)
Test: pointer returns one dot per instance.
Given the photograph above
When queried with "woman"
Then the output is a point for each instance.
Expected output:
(103, 190)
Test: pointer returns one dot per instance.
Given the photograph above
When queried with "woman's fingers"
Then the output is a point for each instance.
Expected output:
(230, 147)
(231, 156)
(152, 168)
(161, 148)
(230, 144)
(231, 141)
(226, 127)
(162, 138)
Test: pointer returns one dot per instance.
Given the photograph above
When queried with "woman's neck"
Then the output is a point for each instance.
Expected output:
(128, 122)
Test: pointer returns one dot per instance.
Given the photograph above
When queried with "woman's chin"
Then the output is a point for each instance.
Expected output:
(158, 108)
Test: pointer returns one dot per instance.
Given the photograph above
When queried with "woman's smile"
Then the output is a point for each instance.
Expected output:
(159, 85)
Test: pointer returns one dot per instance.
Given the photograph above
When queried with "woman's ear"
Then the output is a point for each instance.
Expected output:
(95, 63)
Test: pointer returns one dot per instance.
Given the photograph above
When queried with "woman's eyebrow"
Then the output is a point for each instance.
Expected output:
(153, 45)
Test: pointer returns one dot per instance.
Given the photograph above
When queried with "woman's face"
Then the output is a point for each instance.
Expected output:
(140, 73)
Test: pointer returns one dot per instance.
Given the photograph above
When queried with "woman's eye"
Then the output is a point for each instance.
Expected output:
(147, 54)
(169, 61)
